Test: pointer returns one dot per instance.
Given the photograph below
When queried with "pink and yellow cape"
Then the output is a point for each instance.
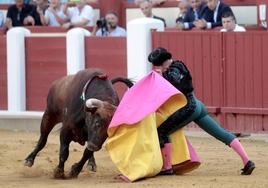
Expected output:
(132, 141)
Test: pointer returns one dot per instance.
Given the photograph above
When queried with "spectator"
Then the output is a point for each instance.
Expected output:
(39, 11)
(7, 1)
(79, 13)
(183, 6)
(54, 15)
(109, 26)
(213, 19)
(229, 23)
(19, 15)
(154, 2)
(146, 7)
(1, 19)
(197, 11)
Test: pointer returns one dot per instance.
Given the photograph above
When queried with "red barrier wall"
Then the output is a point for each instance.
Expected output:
(45, 62)
(109, 54)
(201, 52)
(229, 71)
(245, 90)
(3, 74)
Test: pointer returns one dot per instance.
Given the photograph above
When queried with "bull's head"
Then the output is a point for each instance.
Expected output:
(98, 117)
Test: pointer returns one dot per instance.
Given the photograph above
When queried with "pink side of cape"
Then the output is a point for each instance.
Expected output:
(146, 96)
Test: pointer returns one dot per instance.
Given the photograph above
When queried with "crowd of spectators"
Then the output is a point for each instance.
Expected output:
(198, 14)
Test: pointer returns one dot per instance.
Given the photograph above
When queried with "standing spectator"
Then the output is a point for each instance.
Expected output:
(197, 11)
(39, 11)
(229, 23)
(1, 19)
(183, 6)
(19, 15)
(79, 13)
(109, 26)
(213, 19)
(54, 15)
(146, 7)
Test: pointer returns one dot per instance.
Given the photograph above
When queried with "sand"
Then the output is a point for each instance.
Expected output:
(220, 165)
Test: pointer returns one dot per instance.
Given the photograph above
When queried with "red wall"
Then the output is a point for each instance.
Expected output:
(108, 54)
(246, 72)
(229, 71)
(45, 62)
(3, 74)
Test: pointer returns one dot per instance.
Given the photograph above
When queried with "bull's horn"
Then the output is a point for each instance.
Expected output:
(90, 103)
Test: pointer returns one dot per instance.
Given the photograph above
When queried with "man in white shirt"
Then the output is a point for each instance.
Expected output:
(109, 26)
(229, 23)
(54, 15)
(79, 13)
(146, 7)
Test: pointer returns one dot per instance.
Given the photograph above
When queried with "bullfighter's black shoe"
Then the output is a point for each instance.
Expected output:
(249, 167)
(167, 172)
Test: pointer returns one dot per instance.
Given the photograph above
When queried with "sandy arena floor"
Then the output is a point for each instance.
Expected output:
(220, 165)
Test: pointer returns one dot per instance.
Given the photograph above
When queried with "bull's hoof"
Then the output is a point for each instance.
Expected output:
(92, 166)
(59, 173)
(75, 170)
(28, 163)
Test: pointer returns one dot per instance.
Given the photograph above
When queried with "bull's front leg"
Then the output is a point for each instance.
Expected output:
(65, 139)
(92, 163)
(77, 167)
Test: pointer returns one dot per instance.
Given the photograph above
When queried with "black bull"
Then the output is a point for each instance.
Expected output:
(82, 120)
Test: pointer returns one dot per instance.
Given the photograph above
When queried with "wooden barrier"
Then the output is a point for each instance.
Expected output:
(245, 102)
(229, 71)
(108, 54)
(3, 74)
(45, 62)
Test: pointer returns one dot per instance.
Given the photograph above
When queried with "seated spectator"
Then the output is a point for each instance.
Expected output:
(79, 13)
(7, 1)
(154, 2)
(39, 11)
(229, 23)
(197, 11)
(109, 26)
(19, 15)
(1, 19)
(54, 15)
(213, 17)
(146, 7)
(183, 6)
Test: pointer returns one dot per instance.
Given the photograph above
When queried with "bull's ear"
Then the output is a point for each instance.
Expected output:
(92, 109)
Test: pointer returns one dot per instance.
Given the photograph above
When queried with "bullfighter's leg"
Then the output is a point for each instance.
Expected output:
(77, 167)
(47, 124)
(65, 140)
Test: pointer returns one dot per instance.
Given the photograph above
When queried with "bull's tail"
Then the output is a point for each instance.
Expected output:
(126, 81)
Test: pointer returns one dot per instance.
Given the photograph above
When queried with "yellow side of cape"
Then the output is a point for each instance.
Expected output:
(135, 149)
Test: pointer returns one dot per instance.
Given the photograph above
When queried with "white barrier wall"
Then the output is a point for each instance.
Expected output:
(75, 49)
(139, 45)
(16, 68)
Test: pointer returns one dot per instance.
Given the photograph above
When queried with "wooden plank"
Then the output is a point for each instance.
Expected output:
(45, 62)
(114, 62)
(3, 74)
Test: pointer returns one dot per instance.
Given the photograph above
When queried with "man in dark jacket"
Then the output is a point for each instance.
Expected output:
(19, 14)
(198, 10)
(213, 17)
